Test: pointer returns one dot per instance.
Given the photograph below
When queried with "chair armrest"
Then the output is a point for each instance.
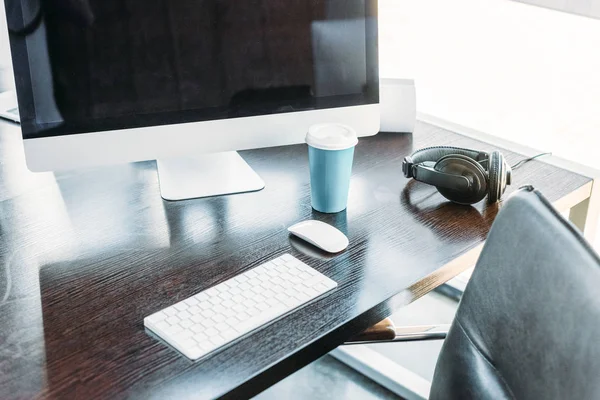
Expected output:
(386, 331)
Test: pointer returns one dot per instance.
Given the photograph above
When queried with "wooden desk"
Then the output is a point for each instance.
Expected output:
(86, 255)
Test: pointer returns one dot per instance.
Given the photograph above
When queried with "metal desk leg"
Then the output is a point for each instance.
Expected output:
(585, 215)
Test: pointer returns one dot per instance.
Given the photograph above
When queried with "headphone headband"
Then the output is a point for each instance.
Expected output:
(437, 152)
(433, 154)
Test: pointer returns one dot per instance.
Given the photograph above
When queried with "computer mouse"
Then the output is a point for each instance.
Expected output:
(320, 234)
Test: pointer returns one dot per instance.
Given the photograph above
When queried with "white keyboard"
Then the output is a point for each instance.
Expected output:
(216, 317)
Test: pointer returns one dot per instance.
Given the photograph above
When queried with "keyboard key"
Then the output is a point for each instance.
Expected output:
(181, 306)
(239, 307)
(232, 283)
(251, 274)
(277, 261)
(259, 289)
(281, 296)
(291, 302)
(221, 288)
(156, 317)
(217, 340)
(162, 325)
(185, 334)
(173, 330)
(313, 281)
(277, 289)
(203, 323)
(238, 298)
(170, 311)
(311, 292)
(305, 276)
(206, 346)
(222, 327)
(243, 316)
(194, 310)
(197, 318)
(183, 315)
(225, 295)
(228, 312)
(207, 323)
(195, 352)
(218, 318)
(186, 323)
(252, 311)
(200, 337)
(191, 301)
(229, 334)
(277, 280)
(211, 332)
(254, 282)
(201, 296)
(186, 343)
(218, 308)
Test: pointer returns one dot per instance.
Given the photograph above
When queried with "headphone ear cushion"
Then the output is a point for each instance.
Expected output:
(497, 176)
(460, 165)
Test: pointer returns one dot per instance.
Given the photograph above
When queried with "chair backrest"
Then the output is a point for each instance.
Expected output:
(528, 325)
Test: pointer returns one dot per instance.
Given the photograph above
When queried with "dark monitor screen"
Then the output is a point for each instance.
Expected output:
(94, 65)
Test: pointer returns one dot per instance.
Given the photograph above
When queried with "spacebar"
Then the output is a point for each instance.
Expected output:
(261, 319)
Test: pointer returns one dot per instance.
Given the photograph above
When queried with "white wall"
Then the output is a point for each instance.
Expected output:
(526, 73)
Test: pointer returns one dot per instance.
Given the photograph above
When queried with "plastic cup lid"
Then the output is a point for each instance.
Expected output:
(331, 137)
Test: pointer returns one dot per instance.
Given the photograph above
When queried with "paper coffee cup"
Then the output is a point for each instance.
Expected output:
(330, 157)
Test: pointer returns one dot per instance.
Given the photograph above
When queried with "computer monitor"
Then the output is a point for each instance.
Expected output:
(112, 81)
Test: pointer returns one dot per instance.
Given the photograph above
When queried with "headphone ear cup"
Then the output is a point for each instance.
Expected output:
(497, 176)
(460, 165)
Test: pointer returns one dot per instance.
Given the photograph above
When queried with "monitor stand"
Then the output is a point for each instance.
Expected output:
(207, 175)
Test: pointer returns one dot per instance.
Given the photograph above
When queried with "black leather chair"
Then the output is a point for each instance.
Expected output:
(528, 324)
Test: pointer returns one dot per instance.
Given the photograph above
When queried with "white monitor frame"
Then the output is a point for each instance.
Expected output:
(63, 152)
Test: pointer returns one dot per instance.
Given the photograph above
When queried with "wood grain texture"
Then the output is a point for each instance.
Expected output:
(383, 330)
(86, 255)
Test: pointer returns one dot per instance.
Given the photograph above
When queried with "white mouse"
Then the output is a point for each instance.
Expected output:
(320, 234)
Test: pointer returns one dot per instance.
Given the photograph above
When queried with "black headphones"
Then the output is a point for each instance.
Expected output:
(463, 176)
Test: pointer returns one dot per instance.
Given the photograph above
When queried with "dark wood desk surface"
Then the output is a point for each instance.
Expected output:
(86, 255)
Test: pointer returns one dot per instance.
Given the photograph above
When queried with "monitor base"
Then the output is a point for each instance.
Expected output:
(207, 175)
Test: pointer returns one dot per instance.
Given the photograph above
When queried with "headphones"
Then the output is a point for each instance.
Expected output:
(463, 176)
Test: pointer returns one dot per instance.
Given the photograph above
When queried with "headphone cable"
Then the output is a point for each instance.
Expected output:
(520, 163)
